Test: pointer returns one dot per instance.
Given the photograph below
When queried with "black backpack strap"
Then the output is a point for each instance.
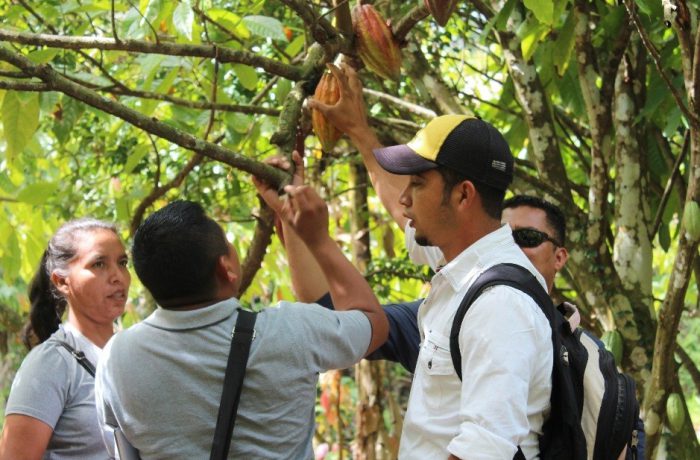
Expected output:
(242, 336)
(80, 357)
(502, 274)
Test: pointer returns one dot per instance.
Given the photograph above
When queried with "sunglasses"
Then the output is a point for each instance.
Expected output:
(531, 238)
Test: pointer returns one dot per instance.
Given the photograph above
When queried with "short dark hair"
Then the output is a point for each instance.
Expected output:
(491, 198)
(555, 216)
(175, 253)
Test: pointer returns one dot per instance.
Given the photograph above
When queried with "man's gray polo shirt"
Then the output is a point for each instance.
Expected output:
(161, 380)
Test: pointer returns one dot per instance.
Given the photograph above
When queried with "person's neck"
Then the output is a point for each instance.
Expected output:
(466, 236)
(97, 333)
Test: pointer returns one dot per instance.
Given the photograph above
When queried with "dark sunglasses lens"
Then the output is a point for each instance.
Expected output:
(527, 238)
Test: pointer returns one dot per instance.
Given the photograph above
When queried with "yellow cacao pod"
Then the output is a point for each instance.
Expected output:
(691, 220)
(376, 45)
(613, 343)
(441, 10)
(675, 412)
(328, 92)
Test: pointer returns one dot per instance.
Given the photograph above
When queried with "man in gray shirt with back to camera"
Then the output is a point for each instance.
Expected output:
(161, 380)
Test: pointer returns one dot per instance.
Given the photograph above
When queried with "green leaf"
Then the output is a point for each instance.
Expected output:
(296, 45)
(247, 76)
(542, 9)
(37, 193)
(531, 37)
(564, 45)
(282, 88)
(11, 257)
(231, 21)
(265, 26)
(122, 207)
(183, 17)
(20, 119)
(664, 237)
(66, 116)
(43, 56)
(135, 157)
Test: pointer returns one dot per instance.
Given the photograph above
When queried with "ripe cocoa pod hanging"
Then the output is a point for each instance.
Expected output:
(328, 92)
(441, 9)
(376, 45)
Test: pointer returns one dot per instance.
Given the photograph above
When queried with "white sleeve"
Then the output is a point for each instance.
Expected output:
(422, 255)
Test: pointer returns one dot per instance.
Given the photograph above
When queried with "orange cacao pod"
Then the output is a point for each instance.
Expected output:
(376, 45)
(441, 9)
(328, 92)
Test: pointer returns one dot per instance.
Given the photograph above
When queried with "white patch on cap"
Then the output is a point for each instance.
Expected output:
(500, 165)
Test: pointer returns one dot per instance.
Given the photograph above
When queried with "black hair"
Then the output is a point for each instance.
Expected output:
(555, 216)
(491, 198)
(175, 252)
(47, 304)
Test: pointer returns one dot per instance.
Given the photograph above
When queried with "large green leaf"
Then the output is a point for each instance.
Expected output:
(564, 45)
(20, 119)
(542, 9)
(183, 18)
(37, 193)
(246, 75)
(265, 26)
(66, 116)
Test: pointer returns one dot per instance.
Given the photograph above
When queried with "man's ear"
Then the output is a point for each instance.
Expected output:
(561, 255)
(466, 193)
(225, 270)
(61, 283)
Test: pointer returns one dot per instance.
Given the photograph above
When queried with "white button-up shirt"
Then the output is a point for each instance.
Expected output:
(506, 348)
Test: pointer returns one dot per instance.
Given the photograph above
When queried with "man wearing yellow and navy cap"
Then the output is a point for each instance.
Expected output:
(446, 187)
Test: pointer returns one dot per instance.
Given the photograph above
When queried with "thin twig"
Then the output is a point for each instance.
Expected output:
(631, 9)
(155, 34)
(669, 185)
(114, 24)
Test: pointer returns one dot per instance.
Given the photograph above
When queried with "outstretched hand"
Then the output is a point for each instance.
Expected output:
(303, 209)
(348, 114)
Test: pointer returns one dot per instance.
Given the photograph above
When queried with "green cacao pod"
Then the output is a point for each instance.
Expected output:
(441, 9)
(328, 92)
(691, 220)
(613, 343)
(675, 412)
(376, 45)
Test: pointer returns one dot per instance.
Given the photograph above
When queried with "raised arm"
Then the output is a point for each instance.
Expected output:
(307, 215)
(350, 116)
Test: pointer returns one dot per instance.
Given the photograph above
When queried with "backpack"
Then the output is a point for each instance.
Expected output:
(593, 406)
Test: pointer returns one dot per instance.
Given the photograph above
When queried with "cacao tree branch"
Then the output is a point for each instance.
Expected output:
(24, 86)
(53, 30)
(10, 74)
(321, 29)
(225, 55)
(405, 24)
(262, 237)
(392, 100)
(654, 53)
(58, 82)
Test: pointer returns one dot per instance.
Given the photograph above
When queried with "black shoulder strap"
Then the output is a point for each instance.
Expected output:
(80, 357)
(502, 274)
(242, 336)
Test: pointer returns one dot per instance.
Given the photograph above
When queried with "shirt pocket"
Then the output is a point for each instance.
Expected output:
(436, 364)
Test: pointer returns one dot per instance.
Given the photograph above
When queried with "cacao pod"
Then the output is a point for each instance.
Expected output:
(691, 219)
(376, 45)
(613, 343)
(328, 92)
(441, 9)
(675, 412)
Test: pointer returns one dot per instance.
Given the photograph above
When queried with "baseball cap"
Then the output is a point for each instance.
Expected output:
(462, 143)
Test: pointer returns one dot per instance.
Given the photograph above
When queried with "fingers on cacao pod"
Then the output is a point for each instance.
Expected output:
(441, 10)
(328, 92)
(376, 45)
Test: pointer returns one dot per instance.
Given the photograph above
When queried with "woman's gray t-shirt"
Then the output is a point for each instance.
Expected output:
(52, 387)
